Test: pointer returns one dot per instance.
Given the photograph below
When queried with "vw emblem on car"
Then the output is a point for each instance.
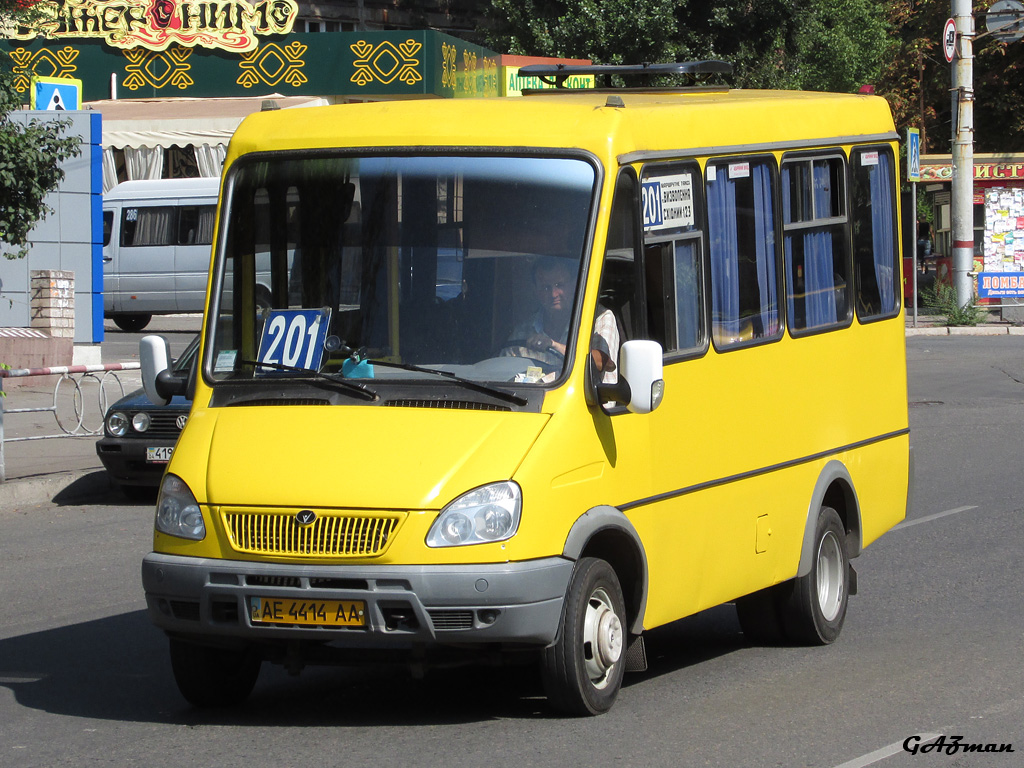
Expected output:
(305, 516)
(180, 421)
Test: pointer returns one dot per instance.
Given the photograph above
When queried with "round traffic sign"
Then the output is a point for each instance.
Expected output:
(1005, 21)
(949, 40)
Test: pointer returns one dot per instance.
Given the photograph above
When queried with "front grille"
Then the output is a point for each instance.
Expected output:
(273, 581)
(331, 534)
(449, 620)
(163, 424)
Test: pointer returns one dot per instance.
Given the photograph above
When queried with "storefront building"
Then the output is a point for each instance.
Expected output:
(998, 220)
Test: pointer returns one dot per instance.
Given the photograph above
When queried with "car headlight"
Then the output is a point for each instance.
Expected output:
(141, 422)
(177, 511)
(117, 424)
(485, 514)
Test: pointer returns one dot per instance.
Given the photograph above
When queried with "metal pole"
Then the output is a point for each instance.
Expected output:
(3, 470)
(963, 152)
(913, 224)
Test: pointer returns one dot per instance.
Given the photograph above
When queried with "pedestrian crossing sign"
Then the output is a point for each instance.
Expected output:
(56, 93)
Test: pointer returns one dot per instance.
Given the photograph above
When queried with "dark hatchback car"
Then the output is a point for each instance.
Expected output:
(139, 437)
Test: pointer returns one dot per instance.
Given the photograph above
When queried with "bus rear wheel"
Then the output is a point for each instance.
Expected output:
(815, 608)
(583, 669)
(213, 677)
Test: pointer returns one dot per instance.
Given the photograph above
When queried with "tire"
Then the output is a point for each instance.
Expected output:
(213, 677)
(131, 323)
(583, 669)
(815, 609)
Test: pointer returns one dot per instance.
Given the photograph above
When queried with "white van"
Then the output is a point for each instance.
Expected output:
(157, 236)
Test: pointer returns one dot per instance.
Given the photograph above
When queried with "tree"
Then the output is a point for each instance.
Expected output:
(835, 45)
(917, 80)
(30, 155)
(605, 31)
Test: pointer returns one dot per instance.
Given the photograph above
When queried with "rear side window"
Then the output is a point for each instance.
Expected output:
(815, 242)
(195, 224)
(168, 225)
(741, 246)
(148, 226)
(873, 214)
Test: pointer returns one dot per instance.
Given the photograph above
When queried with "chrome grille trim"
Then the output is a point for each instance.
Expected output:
(332, 534)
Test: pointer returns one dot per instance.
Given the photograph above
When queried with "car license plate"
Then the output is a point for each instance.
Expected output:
(311, 613)
(160, 455)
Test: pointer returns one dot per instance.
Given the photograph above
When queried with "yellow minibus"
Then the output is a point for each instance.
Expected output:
(537, 374)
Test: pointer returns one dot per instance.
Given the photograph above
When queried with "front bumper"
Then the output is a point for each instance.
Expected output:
(125, 460)
(505, 603)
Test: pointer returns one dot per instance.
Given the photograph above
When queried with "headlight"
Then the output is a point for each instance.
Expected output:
(489, 513)
(177, 511)
(117, 424)
(141, 422)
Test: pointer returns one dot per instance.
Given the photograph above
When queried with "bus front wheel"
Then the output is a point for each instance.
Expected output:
(816, 606)
(583, 669)
(213, 677)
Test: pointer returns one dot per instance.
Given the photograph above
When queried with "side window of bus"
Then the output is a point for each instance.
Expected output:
(616, 320)
(741, 246)
(873, 209)
(108, 226)
(154, 225)
(673, 218)
(815, 242)
(195, 224)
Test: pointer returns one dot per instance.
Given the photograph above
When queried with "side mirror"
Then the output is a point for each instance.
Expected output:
(158, 381)
(640, 386)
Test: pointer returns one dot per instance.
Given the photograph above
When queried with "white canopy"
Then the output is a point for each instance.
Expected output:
(180, 122)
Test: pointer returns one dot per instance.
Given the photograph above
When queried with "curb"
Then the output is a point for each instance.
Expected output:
(976, 330)
(61, 488)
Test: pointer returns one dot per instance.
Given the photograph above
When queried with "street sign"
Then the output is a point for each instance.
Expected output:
(913, 154)
(949, 40)
(1005, 21)
(55, 93)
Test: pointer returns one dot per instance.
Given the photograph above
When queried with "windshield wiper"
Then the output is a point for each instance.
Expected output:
(319, 376)
(508, 397)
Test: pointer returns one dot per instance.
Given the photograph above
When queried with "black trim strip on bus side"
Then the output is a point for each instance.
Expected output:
(762, 471)
(674, 154)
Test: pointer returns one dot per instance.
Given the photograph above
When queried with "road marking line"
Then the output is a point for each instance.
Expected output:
(893, 749)
(929, 518)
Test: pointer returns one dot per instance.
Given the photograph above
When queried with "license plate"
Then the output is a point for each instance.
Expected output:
(159, 455)
(309, 613)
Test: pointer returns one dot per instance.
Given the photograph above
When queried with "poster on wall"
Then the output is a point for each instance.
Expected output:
(1003, 273)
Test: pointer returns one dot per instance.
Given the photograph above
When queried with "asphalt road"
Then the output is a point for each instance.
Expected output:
(932, 644)
(120, 346)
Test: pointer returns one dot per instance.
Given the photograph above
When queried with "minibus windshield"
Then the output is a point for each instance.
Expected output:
(398, 267)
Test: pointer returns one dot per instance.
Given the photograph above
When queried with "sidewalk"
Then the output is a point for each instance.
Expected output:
(60, 469)
(66, 470)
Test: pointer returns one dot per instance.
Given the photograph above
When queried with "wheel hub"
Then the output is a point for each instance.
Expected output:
(603, 638)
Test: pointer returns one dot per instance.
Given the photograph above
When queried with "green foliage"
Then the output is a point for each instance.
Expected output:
(835, 45)
(941, 297)
(30, 157)
(605, 31)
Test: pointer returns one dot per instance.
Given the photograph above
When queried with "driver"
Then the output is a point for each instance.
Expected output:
(543, 337)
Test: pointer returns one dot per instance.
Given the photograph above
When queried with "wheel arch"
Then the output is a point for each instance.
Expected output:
(606, 533)
(834, 488)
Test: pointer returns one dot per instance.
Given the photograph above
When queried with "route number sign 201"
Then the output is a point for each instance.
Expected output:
(294, 337)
